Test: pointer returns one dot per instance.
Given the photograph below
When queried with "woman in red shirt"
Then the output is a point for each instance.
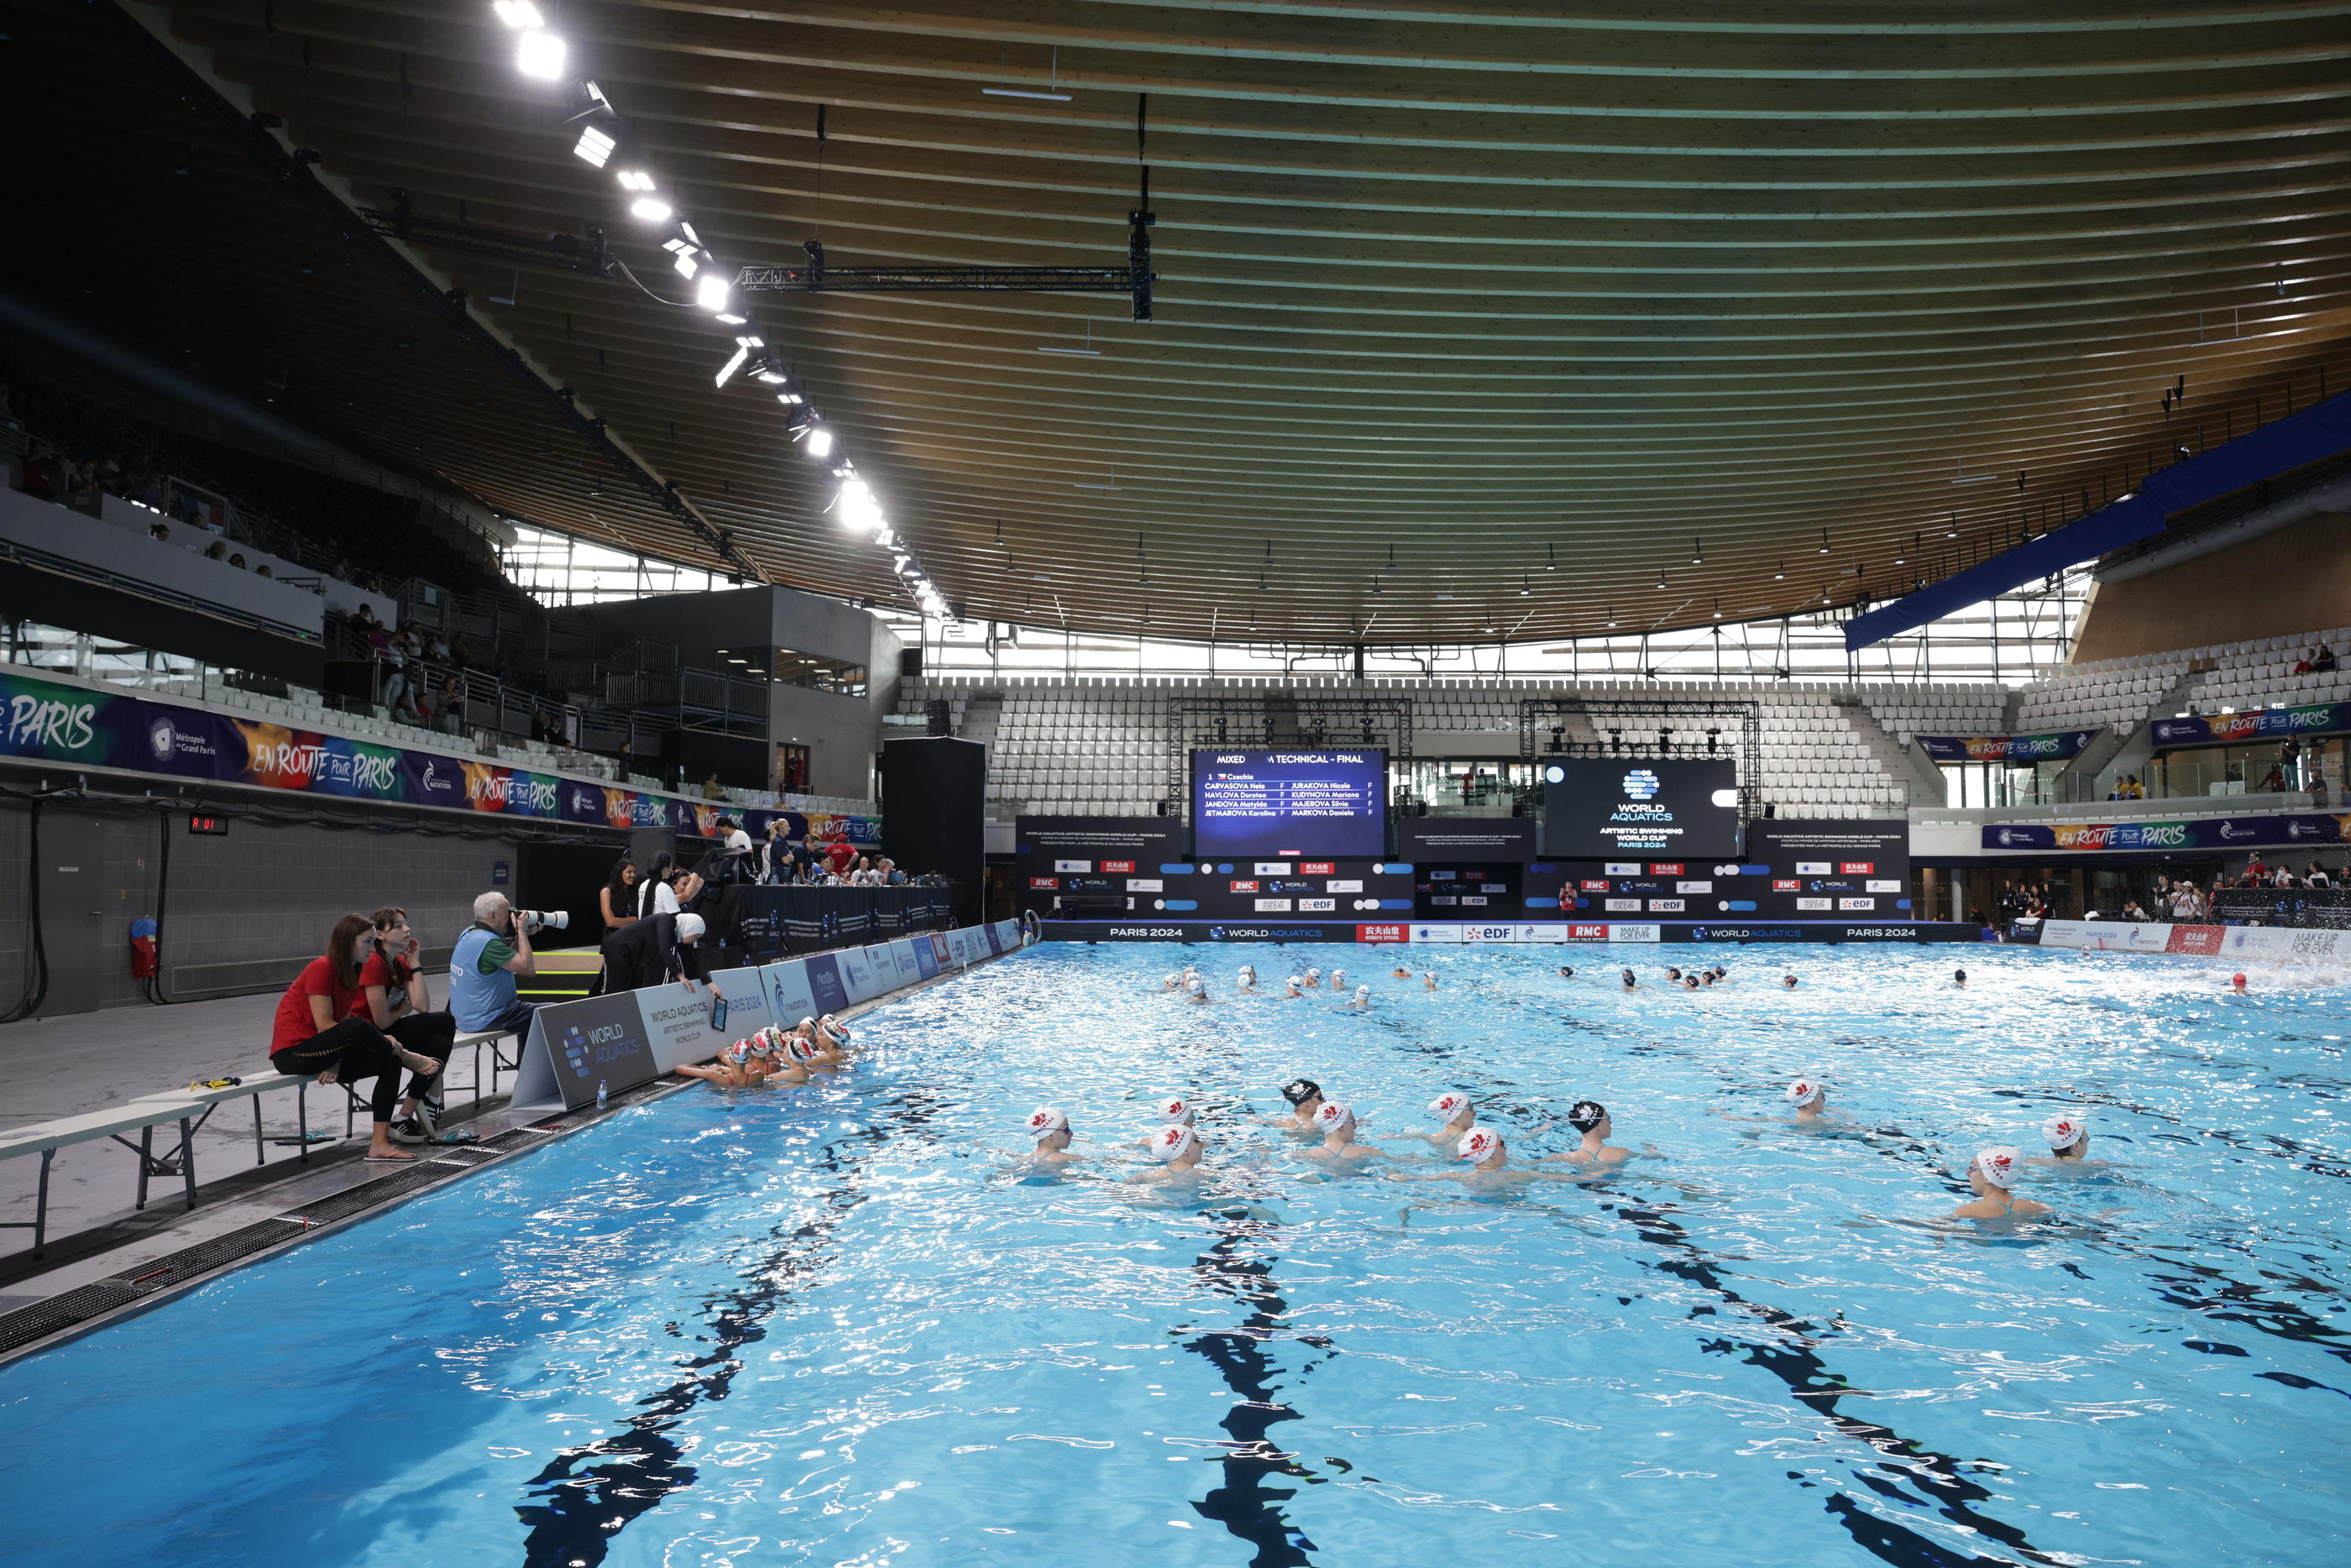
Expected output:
(314, 1032)
(394, 998)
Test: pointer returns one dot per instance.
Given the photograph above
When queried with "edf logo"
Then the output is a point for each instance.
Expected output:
(1640, 785)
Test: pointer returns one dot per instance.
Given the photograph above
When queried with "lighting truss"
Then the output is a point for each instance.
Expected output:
(1133, 280)
(1650, 726)
(562, 252)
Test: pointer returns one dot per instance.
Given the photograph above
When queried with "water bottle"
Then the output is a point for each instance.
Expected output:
(600, 1092)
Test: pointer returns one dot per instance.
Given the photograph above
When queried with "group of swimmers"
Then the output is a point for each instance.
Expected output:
(1329, 1132)
(1188, 984)
(777, 1055)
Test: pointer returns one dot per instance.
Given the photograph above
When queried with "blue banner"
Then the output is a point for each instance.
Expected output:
(2255, 725)
(2019, 750)
(2309, 829)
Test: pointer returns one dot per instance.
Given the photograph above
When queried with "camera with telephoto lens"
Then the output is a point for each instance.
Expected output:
(537, 921)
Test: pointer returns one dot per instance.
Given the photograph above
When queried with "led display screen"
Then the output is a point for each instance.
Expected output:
(1251, 803)
(1641, 808)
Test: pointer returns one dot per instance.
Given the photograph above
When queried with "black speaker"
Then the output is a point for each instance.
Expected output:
(934, 813)
(910, 664)
(938, 717)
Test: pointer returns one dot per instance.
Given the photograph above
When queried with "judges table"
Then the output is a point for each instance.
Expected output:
(810, 919)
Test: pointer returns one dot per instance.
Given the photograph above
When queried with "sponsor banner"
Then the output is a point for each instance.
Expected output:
(50, 722)
(925, 957)
(748, 1006)
(993, 935)
(1446, 933)
(2021, 750)
(1592, 932)
(789, 1000)
(2210, 832)
(1391, 933)
(2204, 940)
(575, 1045)
(677, 1023)
(857, 976)
(1662, 906)
(1543, 931)
(1627, 933)
(2257, 724)
(1477, 933)
(941, 956)
(824, 983)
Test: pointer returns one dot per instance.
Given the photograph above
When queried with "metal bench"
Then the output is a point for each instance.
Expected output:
(354, 1103)
(142, 1116)
(257, 1083)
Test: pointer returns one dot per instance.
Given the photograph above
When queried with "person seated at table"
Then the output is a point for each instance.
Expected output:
(319, 1032)
(396, 999)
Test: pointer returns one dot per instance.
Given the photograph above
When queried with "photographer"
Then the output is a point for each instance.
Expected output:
(394, 998)
(490, 953)
(655, 950)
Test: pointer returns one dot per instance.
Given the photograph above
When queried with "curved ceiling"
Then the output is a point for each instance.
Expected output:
(1470, 322)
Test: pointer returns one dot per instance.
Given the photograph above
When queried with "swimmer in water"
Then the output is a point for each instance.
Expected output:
(1246, 981)
(1174, 1111)
(1589, 1117)
(1626, 976)
(1788, 982)
(1455, 1111)
(731, 1070)
(1295, 985)
(1705, 977)
(1313, 979)
(1673, 973)
(1810, 1098)
(1305, 1097)
(1989, 1176)
(2069, 1144)
(1363, 999)
(1175, 980)
(2237, 985)
(1339, 1148)
(1177, 1148)
(815, 1047)
(1689, 983)
(1429, 979)
(771, 1050)
(1721, 975)
(1196, 989)
(1958, 980)
(1567, 972)
(1399, 973)
(1489, 1165)
(1050, 1129)
(1338, 980)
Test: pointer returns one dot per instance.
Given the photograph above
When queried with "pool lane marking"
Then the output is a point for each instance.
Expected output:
(584, 1512)
(1249, 1509)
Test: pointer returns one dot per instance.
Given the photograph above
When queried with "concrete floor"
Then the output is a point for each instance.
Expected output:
(90, 1060)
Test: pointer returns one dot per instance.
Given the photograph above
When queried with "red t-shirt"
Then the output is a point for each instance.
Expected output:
(393, 977)
(840, 855)
(294, 1024)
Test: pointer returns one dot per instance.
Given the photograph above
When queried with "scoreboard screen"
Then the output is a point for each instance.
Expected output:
(1639, 810)
(1275, 803)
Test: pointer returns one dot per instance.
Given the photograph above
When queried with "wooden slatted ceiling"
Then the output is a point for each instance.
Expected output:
(1480, 287)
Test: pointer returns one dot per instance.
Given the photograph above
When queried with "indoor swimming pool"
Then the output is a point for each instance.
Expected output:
(844, 1325)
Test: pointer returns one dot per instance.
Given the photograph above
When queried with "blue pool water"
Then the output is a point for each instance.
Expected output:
(834, 1326)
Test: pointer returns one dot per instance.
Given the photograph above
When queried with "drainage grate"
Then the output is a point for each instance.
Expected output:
(189, 1261)
(465, 1154)
(62, 1311)
(367, 1194)
(506, 1142)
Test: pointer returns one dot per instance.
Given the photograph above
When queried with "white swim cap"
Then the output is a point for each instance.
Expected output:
(1045, 1119)
(801, 1047)
(1804, 1091)
(740, 1052)
(1477, 1143)
(1448, 1104)
(806, 1026)
(689, 927)
(1998, 1165)
(1363, 992)
(1248, 972)
(834, 1027)
(1313, 974)
(1175, 978)
(1337, 978)
(1196, 986)
(1175, 1109)
(1173, 1141)
(1296, 983)
(2063, 1132)
(1330, 1116)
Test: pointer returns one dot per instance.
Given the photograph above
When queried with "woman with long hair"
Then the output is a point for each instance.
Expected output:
(618, 898)
(655, 894)
(396, 999)
(317, 1035)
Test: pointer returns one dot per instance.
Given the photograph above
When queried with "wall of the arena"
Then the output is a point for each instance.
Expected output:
(248, 908)
(2292, 579)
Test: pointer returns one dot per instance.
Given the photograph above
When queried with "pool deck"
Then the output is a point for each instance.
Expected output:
(90, 1060)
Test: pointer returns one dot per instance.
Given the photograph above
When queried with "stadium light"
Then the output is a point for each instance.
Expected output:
(1698, 552)
(727, 371)
(711, 293)
(520, 15)
(634, 179)
(540, 56)
(595, 146)
(856, 506)
(651, 209)
(817, 438)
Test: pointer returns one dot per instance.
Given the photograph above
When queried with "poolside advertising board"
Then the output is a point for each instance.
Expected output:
(575, 1045)
(788, 997)
(677, 1023)
(926, 956)
(748, 1007)
(823, 970)
(857, 977)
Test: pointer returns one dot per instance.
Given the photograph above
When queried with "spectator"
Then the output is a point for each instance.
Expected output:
(397, 1001)
(160, 533)
(44, 473)
(839, 855)
(451, 708)
(2317, 877)
(321, 1030)
(2322, 659)
(2129, 789)
(263, 570)
(543, 727)
(490, 953)
(618, 898)
(2133, 910)
(656, 951)
(216, 551)
(712, 789)
(237, 560)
